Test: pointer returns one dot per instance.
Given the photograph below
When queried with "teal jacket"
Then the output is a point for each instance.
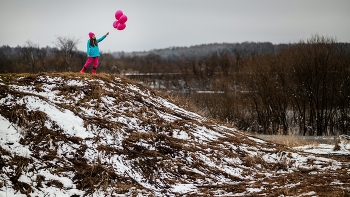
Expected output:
(94, 51)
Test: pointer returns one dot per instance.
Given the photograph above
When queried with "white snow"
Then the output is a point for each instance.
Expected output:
(68, 121)
(184, 188)
(73, 125)
(324, 149)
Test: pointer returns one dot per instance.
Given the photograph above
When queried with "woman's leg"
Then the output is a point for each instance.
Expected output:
(94, 67)
(87, 64)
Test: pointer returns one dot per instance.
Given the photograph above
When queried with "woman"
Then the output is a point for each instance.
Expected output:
(93, 52)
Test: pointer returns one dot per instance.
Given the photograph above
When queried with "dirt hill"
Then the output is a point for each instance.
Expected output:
(68, 134)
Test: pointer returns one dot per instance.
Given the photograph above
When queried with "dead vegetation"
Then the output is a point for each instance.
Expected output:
(141, 145)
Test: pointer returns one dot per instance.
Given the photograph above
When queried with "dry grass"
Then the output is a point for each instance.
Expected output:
(153, 152)
(290, 140)
(55, 183)
(337, 144)
(184, 102)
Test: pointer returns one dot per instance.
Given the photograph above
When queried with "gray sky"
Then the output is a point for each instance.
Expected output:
(156, 24)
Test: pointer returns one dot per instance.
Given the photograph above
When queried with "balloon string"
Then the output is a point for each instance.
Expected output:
(111, 30)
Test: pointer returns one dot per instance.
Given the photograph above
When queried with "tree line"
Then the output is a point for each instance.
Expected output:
(64, 57)
(306, 86)
(301, 87)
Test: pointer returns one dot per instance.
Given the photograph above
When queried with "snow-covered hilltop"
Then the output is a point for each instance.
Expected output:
(66, 134)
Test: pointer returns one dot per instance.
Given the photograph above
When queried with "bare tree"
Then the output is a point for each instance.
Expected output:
(67, 46)
(30, 53)
(317, 75)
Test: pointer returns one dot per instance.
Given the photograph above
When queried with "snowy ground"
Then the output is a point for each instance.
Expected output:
(325, 149)
(103, 136)
(323, 145)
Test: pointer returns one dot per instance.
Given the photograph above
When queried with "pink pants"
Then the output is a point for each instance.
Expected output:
(89, 60)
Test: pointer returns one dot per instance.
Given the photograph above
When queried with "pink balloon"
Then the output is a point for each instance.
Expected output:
(115, 24)
(123, 19)
(121, 26)
(118, 14)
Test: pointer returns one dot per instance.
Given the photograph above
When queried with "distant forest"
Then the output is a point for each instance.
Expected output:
(301, 88)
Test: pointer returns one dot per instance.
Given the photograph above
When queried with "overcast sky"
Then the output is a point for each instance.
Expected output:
(156, 24)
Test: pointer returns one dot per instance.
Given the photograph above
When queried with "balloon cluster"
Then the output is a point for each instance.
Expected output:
(121, 19)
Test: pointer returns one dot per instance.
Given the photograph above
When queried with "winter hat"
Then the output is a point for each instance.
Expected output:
(91, 34)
